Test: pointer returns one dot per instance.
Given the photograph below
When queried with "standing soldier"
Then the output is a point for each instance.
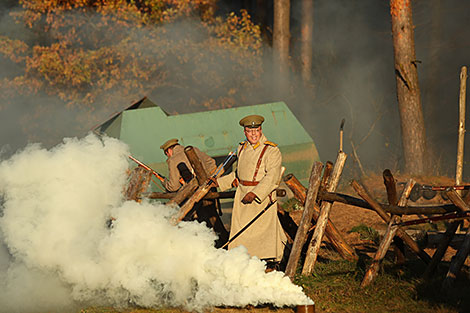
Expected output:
(180, 171)
(256, 178)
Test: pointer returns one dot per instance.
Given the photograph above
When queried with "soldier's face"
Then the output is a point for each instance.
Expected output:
(253, 134)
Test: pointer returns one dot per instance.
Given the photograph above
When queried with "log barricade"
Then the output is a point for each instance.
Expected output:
(400, 232)
(392, 229)
(448, 235)
(332, 233)
(306, 221)
(462, 253)
(314, 246)
(392, 197)
(139, 179)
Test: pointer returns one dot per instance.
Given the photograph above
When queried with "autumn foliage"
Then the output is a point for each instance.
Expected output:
(93, 53)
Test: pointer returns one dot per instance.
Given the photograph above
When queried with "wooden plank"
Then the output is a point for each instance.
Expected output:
(314, 246)
(306, 221)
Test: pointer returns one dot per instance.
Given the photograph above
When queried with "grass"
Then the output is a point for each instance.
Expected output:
(335, 287)
(367, 233)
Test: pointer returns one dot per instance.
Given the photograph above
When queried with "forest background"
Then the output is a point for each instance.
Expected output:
(68, 65)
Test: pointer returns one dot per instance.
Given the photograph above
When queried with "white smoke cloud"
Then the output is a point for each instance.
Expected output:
(58, 252)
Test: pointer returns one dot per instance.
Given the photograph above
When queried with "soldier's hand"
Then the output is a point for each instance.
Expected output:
(249, 197)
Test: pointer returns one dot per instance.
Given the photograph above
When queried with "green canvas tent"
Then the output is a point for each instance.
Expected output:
(144, 126)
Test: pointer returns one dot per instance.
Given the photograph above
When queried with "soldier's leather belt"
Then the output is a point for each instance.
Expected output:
(248, 183)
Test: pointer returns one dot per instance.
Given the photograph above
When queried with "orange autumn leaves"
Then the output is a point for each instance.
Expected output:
(93, 53)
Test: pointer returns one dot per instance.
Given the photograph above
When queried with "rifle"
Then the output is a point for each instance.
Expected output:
(148, 168)
(204, 188)
(248, 224)
(442, 188)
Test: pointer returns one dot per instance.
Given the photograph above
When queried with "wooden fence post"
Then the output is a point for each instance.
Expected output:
(306, 221)
(322, 221)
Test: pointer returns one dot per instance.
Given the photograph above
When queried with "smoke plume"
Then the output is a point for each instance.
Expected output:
(57, 251)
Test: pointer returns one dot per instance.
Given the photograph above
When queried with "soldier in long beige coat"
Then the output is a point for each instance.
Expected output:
(256, 178)
(207, 211)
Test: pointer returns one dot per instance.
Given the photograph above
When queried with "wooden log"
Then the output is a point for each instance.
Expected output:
(361, 191)
(201, 174)
(392, 196)
(441, 249)
(407, 210)
(332, 233)
(322, 221)
(202, 190)
(306, 220)
(183, 193)
(280, 192)
(326, 176)
(392, 228)
(391, 187)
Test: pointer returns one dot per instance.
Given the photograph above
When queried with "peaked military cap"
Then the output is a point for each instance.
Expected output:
(170, 143)
(252, 121)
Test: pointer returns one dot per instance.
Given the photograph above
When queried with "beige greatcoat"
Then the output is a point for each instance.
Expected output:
(265, 238)
(172, 183)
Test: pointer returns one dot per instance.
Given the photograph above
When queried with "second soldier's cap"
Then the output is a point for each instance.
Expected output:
(170, 143)
(252, 121)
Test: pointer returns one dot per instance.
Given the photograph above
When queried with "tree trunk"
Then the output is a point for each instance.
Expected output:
(307, 40)
(281, 37)
(409, 100)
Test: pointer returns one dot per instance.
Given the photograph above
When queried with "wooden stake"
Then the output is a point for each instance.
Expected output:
(305, 222)
(361, 191)
(201, 174)
(392, 196)
(373, 269)
(460, 149)
(314, 246)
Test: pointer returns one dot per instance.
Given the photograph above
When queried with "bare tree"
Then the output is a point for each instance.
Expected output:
(307, 40)
(409, 99)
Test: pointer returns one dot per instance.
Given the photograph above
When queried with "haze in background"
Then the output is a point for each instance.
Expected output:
(58, 253)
